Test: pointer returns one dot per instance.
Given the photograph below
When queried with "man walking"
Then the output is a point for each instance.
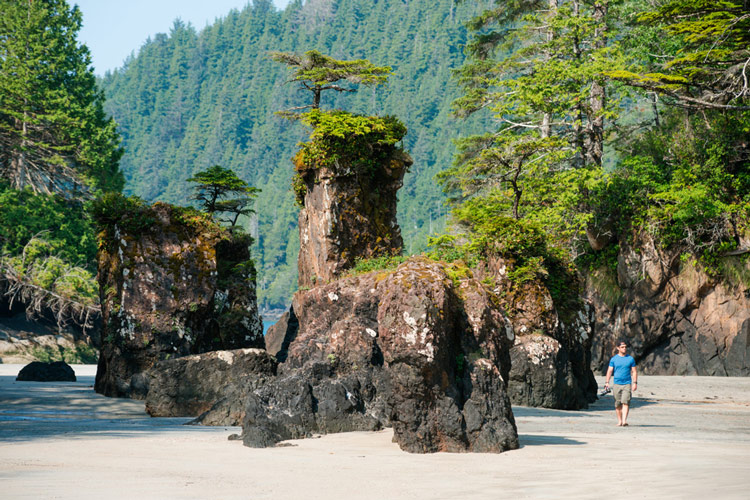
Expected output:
(622, 366)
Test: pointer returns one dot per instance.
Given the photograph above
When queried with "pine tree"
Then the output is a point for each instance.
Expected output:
(317, 72)
(215, 185)
(54, 136)
(707, 63)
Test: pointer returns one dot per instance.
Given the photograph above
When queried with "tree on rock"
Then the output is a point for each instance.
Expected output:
(54, 135)
(214, 187)
(317, 72)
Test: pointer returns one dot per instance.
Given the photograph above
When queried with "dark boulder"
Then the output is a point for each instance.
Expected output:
(409, 348)
(57, 371)
(280, 334)
(551, 356)
(212, 386)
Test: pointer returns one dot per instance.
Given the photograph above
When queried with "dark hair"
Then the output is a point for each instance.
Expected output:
(621, 341)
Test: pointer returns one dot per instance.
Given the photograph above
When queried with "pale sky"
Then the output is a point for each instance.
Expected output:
(112, 29)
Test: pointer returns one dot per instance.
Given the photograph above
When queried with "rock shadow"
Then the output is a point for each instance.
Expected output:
(537, 440)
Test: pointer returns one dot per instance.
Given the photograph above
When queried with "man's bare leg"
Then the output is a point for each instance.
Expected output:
(618, 411)
(625, 410)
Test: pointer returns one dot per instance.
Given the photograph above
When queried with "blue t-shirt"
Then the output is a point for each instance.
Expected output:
(622, 366)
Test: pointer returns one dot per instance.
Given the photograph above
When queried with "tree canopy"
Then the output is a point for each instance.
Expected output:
(54, 135)
(707, 64)
(214, 188)
(317, 72)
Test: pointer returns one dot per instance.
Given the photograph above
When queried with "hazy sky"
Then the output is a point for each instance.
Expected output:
(113, 29)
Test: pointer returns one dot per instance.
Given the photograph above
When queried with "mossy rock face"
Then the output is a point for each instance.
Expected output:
(183, 285)
(551, 357)
(346, 180)
(679, 316)
(413, 347)
(348, 217)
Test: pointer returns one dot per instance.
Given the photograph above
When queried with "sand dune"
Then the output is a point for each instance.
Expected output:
(689, 437)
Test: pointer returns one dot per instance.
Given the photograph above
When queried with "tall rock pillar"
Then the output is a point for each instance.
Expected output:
(347, 179)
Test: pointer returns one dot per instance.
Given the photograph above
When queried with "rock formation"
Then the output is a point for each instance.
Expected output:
(57, 371)
(172, 283)
(213, 385)
(349, 205)
(679, 320)
(550, 361)
(409, 348)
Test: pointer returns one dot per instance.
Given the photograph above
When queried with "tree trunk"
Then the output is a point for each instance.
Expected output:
(597, 98)
(546, 129)
(579, 160)
(316, 97)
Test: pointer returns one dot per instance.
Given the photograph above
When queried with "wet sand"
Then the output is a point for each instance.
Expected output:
(689, 437)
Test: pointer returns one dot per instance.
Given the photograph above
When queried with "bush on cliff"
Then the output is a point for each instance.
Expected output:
(348, 143)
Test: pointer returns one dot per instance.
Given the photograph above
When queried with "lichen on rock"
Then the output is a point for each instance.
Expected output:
(409, 349)
(347, 177)
(172, 283)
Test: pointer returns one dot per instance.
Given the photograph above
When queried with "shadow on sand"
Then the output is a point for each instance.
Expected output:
(537, 440)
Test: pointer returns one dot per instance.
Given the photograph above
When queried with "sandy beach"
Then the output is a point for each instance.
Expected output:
(689, 437)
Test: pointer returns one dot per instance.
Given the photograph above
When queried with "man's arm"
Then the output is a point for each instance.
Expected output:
(610, 370)
(634, 377)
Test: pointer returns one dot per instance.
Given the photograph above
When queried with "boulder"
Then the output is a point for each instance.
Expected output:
(678, 319)
(57, 371)
(551, 355)
(408, 348)
(212, 386)
(172, 283)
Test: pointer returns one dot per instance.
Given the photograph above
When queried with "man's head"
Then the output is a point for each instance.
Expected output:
(622, 346)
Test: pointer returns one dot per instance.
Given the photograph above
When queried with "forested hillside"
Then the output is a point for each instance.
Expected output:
(189, 100)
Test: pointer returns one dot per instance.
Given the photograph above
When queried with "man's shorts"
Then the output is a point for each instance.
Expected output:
(622, 394)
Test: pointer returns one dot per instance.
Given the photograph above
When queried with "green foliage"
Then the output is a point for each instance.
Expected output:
(62, 223)
(348, 143)
(130, 213)
(81, 354)
(215, 185)
(705, 67)
(39, 266)
(317, 72)
(446, 247)
(383, 263)
(54, 132)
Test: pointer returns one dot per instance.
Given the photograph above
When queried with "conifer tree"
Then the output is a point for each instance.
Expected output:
(215, 185)
(317, 72)
(54, 136)
(707, 64)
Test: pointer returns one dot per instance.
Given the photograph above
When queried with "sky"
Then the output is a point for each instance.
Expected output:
(112, 29)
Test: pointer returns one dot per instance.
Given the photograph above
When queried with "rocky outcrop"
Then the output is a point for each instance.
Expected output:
(349, 210)
(57, 371)
(172, 283)
(213, 385)
(410, 348)
(551, 356)
(678, 319)
(279, 335)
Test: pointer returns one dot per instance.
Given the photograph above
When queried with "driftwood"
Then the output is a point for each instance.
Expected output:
(38, 300)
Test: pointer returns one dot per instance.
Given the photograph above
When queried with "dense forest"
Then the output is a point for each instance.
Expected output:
(579, 126)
